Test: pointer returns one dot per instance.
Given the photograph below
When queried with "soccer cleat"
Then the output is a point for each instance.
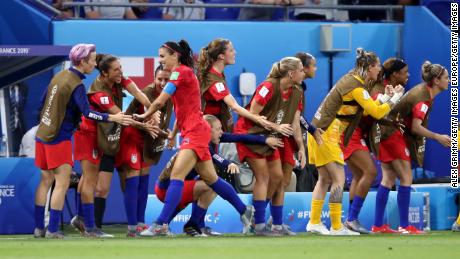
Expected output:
(247, 218)
(103, 234)
(343, 231)
(156, 230)
(455, 227)
(141, 227)
(384, 229)
(284, 230)
(92, 233)
(410, 230)
(132, 233)
(193, 230)
(78, 223)
(266, 232)
(39, 233)
(356, 226)
(317, 228)
(209, 232)
(57, 235)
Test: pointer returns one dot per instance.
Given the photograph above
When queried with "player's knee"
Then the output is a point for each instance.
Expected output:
(102, 191)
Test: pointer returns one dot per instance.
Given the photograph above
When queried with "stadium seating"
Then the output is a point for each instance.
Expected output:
(222, 13)
(441, 8)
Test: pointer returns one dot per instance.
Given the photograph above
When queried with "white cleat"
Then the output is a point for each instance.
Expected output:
(157, 230)
(320, 229)
(343, 231)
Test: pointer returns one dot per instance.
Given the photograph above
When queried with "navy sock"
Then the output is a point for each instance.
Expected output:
(197, 214)
(99, 209)
(403, 205)
(142, 196)
(130, 198)
(355, 208)
(380, 204)
(55, 219)
(226, 191)
(201, 223)
(172, 199)
(88, 215)
(174, 214)
(259, 214)
(277, 214)
(39, 216)
(79, 207)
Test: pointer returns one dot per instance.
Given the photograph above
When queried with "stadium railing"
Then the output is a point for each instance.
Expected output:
(287, 8)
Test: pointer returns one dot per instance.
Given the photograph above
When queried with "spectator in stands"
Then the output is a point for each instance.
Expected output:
(367, 15)
(66, 12)
(263, 13)
(183, 13)
(146, 12)
(314, 14)
(102, 12)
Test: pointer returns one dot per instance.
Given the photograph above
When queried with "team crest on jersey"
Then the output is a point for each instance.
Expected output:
(95, 153)
(174, 75)
(406, 151)
(263, 91)
(133, 158)
(104, 100)
(220, 87)
(424, 108)
(363, 142)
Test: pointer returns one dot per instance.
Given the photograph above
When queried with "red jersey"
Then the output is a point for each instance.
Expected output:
(215, 95)
(100, 102)
(186, 99)
(418, 112)
(262, 95)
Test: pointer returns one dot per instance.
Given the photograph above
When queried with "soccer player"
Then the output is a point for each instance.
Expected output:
(356, 153)
(456, 225)
(140, 147)
(92, 140)
(195, 190)
(183, 88)
(216, 98)
(279, 100)
(397, 150)
(339, 113)
(106, 167)
(309, 70)
(62, 104)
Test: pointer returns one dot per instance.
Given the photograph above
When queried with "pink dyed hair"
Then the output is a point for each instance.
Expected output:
(80, 52)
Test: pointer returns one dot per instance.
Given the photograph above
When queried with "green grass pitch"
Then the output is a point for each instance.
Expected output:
(437, 244)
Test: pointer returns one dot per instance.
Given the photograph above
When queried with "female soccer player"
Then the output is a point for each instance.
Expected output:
(396, 150)
(62, 104)
(94, 139)
(340, 112)
(183, 88)
(394, 74)
(216, 97)
(195, 190)
(279, 100)
(139, 150)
